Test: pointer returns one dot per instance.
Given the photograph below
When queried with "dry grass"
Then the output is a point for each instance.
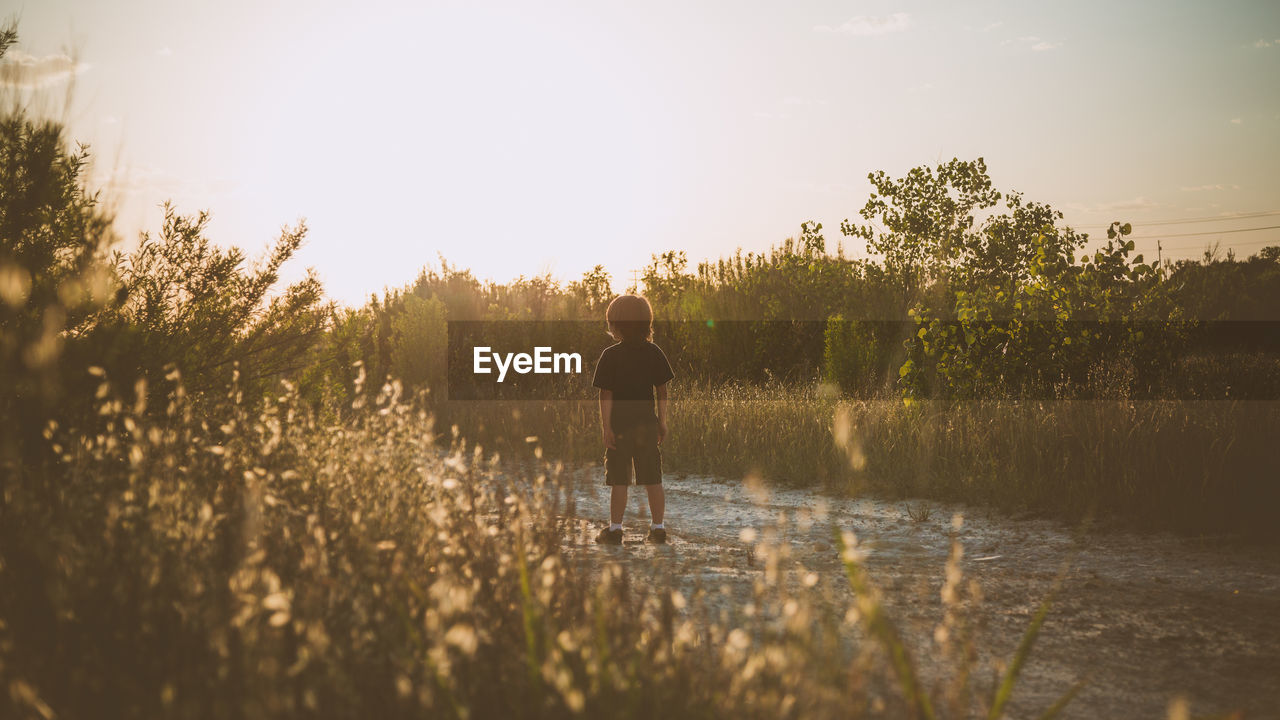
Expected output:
(276, 565)
(1188, 465)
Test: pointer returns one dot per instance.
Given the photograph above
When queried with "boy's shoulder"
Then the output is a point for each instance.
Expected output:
(631, 352)
(645, 347)
(633, 347)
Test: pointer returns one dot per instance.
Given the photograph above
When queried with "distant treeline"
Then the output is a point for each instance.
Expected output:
(1010, 306)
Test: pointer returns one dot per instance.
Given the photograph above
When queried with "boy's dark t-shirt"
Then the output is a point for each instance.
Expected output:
(631, 369)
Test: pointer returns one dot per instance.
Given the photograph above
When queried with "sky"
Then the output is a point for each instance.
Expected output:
(519, 138)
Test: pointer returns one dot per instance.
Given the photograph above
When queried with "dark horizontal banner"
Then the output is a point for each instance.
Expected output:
(555, 360)
(523, 360)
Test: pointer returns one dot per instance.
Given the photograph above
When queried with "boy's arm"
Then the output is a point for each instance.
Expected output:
(606, 410)
(661, 392)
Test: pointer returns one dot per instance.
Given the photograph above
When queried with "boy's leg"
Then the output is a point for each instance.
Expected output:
(648, 463)
(657, 502)
(617, 503)
(617, 475)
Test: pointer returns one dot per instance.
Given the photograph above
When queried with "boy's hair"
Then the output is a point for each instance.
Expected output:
(630, 317)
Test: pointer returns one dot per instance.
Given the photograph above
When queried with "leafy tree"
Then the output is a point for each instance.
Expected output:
(665, 279)
(1229, 289)
(199, 307)
(1044, 333)
(919, 224)
(593, 292)
(327, 381)
(53, 233)
(849, 357)
(420, 344)
(1009, 244)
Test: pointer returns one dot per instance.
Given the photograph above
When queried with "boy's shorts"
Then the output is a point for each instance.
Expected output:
(636, 446)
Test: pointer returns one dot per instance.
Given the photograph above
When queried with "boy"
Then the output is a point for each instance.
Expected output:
(628, 374)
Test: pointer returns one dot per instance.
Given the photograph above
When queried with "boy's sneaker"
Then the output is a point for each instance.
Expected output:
(657, 535)
(609, 537)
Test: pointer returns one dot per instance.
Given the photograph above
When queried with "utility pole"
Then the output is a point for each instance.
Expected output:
(635, 281)
(1160, 256)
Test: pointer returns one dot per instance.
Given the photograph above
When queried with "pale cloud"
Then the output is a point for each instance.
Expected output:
(1264, 43)
(1204, 188)
(24, 70)
(1034, 43)
(1138, 203)
(865, 25)
(992, 26)
(164, 52)
(1236, 121)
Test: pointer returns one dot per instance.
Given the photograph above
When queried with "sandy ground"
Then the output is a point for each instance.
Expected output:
(1144, 617)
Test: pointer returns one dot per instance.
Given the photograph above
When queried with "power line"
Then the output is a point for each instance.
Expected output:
(1243, 244)
(1202, 219)
(1211, 232)
(1210, 218)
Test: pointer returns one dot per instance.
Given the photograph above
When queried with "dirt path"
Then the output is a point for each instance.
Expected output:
(1146, 617)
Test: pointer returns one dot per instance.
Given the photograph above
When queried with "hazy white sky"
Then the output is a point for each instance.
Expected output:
(520, 137)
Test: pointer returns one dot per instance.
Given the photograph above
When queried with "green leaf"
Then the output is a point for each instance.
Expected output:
(1005, 691)
(881, 627)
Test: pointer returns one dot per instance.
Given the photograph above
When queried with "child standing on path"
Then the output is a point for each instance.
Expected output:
(630, 374)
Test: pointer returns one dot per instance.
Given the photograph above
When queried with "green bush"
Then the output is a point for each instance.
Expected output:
(850, 356)
(420, 343)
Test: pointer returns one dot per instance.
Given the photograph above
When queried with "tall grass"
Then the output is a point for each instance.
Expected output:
(1186, 465)
(272, 564)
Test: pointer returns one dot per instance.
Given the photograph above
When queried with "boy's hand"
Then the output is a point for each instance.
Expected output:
(662, 431)
(610, 440)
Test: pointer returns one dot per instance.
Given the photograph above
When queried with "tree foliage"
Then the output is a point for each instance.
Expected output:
(207, 311)
(53, 233)
(176, 302)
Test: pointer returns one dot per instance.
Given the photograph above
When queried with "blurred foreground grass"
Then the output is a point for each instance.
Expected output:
(277, 565)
